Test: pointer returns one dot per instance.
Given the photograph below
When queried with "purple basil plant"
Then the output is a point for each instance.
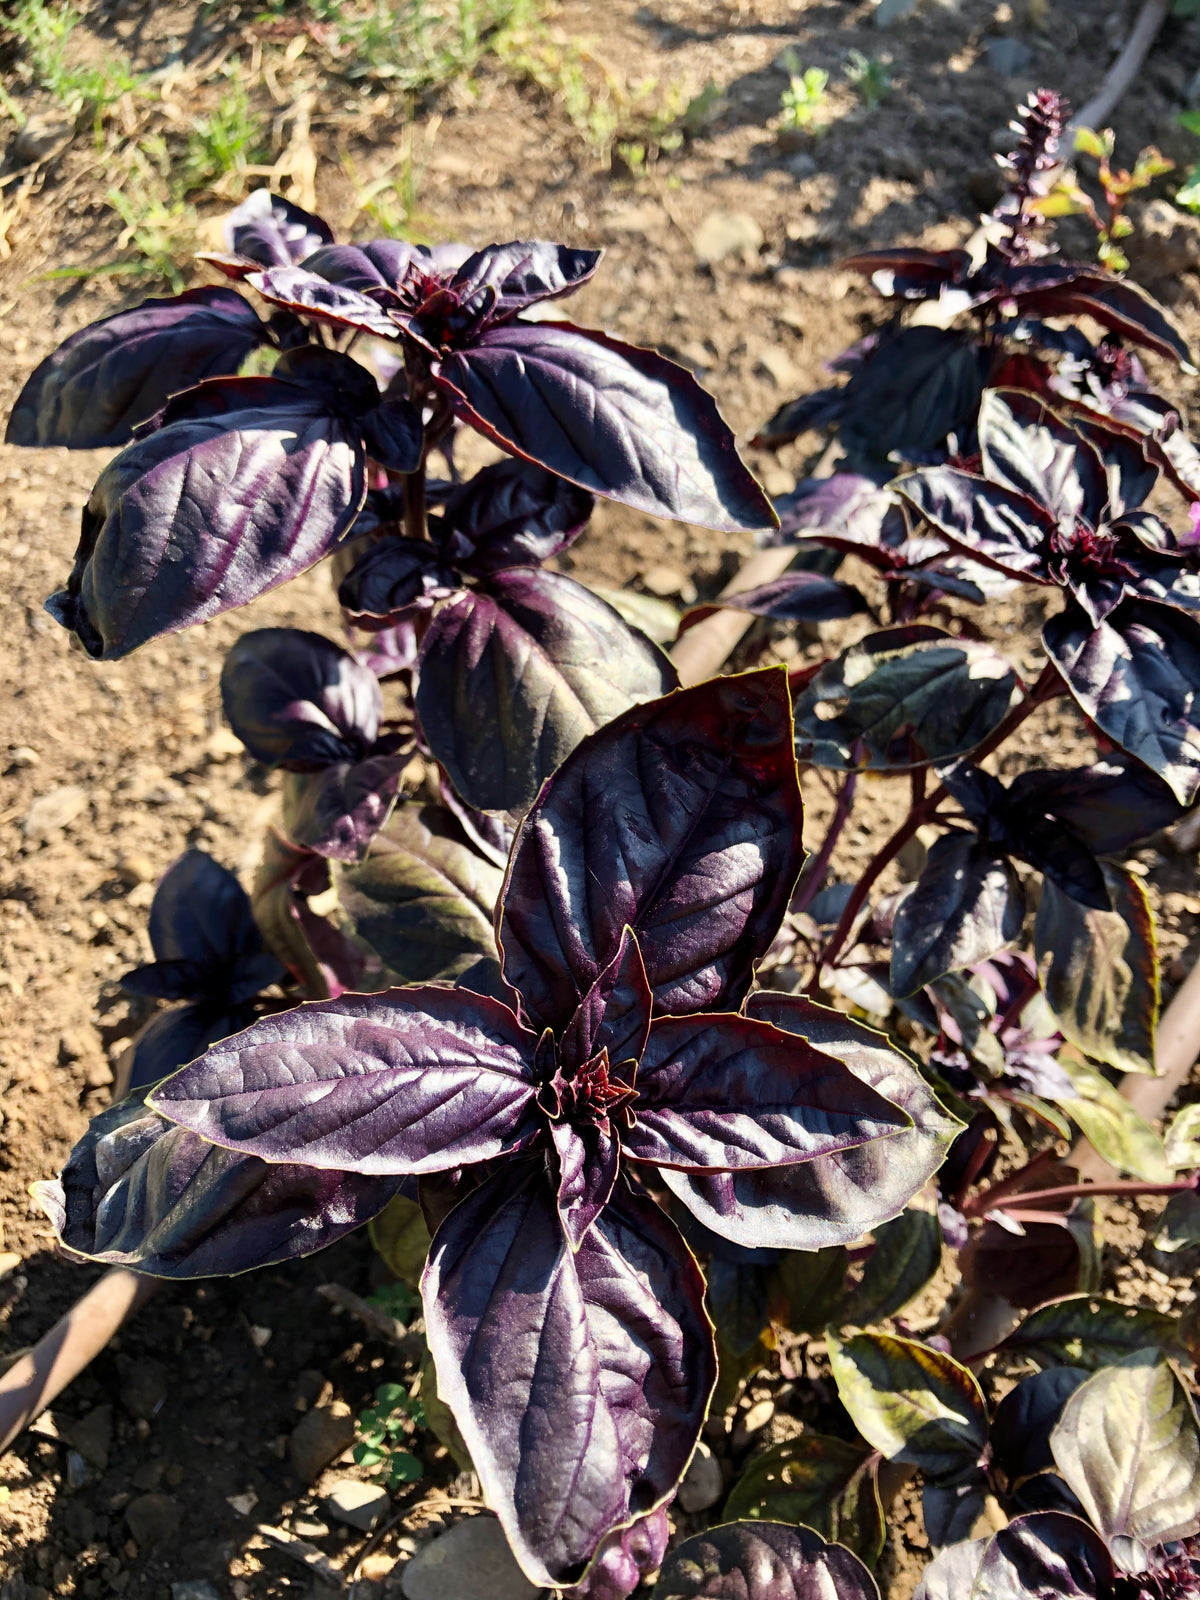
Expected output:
(627, 1072)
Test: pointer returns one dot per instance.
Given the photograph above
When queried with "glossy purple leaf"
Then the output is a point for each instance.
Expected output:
(273, 231)
(1021, 1429)
(300, 291)
(512, 514)
(119, 371)
(139, 1192)
(763, 1561)
(1136, 676)
(917, 386)
(832, 1199)
(823, 408)
(720, 1091)
(1047, 1555)
(680, 820)
(297, 700)
(512, 677)
(968, 904)
(989, 521)
(588, 1168)
(846, 509)
(579, 1379)
(384, 264)
(393, 435)
(1029, 450)
(614, 1015)
(1110, 806)
(180, 1033)
(419, 1079)
(618, 421)
(207, 514)
(392, 574)
(338, 812)
(1116, 304)
(525, 272)
(624, 1558)
(795, 597)
(492, 835)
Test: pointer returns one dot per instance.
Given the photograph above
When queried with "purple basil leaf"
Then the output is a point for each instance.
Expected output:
(990, 521)
(338, 812)
(1110, 806)
(952, 1572)
(390, 651)
(205, 515)
(305, 294)
(618, 421)
(916, 387)
(624, 1558)
(730, 1093)
(424, 900)
(383, 264)
(299, 701)
(967, 905)
(794, 597)
(763, 1561)
(181, 1033)
(273, 231)
(614, 1015)
(823, 408)
(1048, 1556)
(324, 960)
(524, 272)
(846, 509)
(911, 274)
(393, 435)
(418, 1079)
(204, 937)
(579, 1379)
(906, 697)
(1118, 305)
(491, 835)
(392, 574)
(1029, 450)
(950, 1510)
(680, 820)
(1024, 1421)
(588, 1165)
(512, 514)
(1136, 676)
(139, 1192)
(511, 678)
(832, 1199)
(116, 373)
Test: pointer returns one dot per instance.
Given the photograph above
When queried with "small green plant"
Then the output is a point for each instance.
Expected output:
(223, 145)
(870, 77)
(1188, 193)
(1068, 197)
(418, 46)
(803, 102)
(84, 91)
(381, 1428)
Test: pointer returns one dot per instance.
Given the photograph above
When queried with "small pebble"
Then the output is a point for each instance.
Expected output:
(359, 1504)
(23, 755)
(703, 1483)
(134, 868)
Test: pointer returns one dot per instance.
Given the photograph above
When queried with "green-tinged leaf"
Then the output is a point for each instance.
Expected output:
(1100, 971)
(368, 1454)
(907, 1253)
(656, 618)
(762, 1561)
(403, 1468)
(439, 1419)
(1128, 1445)
(967, 905)
(733, 1368)
(903, 698)
(1182, 1142)
(1111, 1125)
(812, 1283)
(912, 1403)
(737, 1303)
(402, 1239)
(823, 1482)
(1086, 1331)
(423, 899)
(1179, 1231)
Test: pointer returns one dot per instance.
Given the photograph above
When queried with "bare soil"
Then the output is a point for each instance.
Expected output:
(196, 1406)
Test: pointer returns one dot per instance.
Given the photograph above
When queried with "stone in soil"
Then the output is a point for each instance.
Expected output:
(54, 811)
(196, 1589)
(703, 1484)
(91, 1436)
(153, 1518)
(319, 1438)
(359, 1504)
(143, 1386)
(727, 233)
(470, 1562)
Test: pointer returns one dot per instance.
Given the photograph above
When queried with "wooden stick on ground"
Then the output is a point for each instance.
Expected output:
(1124, 70)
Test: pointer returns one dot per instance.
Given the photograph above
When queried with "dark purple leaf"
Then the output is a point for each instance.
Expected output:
(739, 1303)
(338, 812)
(762, 1561)
(1045, 1556)
(831, 1199)
(393, 435)
(1116, 304)
(618, 421)
(794, 597)
(1021, 1429)
(624, 1558)
(383, 264)
(821, 409)
(204, 515)
(952, 1572)
(525, 272)
(731, 1093)
(1136, 676)
(967, 905)
(916, 387)
(418, 1079)
(845, 509)
(906, 697)
(423, 899)
(1110, 806)
(512, 514)
(299, 701)
(511, 678)
(614, 1015)
(680, 820)
(950, 1510)
(323, 959)
(139, 1192)
(912, 274)
(273, 231)
(491, 835)
(119, 371)
(579, 1379)
(588, 1167)
(305, 294)
(989, 521)
(390, 651)
(1029, 450)
(392, 574)
(181, 1033)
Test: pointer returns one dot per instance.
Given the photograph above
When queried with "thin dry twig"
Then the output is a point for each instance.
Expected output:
(408, 1341)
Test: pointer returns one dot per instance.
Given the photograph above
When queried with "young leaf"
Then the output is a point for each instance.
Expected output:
(338, 812)
(1100, 970)
(968, 904)
(912, 1403)
(1021, 1429)
(1111, 1125)
(762, 1561)
(1182, 1142)
(696, 848)
(139, 1192)
(423, 899)
(510, 678)
(579, 1378)
(1087, 1331)
(1128, 1445)
(400, 1236)
(907, 1253)
(819, 1481)
(903, 698)
(298, 700)
(1048, 1553)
